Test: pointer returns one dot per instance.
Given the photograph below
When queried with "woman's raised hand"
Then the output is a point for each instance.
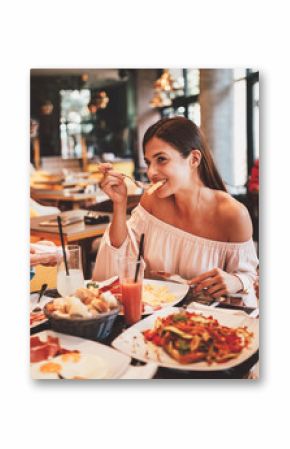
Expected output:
(216, 283)
(113, 184)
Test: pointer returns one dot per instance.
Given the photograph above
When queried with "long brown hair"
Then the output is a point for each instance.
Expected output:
(185, 136)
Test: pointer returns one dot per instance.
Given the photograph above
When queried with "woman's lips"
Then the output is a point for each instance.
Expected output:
(156, 186)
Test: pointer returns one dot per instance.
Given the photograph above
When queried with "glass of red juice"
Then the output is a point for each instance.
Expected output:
(131, 275)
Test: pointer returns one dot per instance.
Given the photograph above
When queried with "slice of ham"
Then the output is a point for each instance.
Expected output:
(42, 350)
(35, 317)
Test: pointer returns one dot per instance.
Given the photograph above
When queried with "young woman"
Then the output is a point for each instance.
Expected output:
(192, 226)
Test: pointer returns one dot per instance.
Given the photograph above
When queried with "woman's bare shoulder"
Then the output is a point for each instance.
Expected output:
(153, 204)
(234, 217)
(146, 202)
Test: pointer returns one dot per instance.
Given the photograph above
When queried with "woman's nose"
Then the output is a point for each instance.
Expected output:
(151, 172)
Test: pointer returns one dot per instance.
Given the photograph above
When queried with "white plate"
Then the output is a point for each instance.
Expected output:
(33, 303)
(87, 366)
(113, 362)
(132, 342)
(178, 290)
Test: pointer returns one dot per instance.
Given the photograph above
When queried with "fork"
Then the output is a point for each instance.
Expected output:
(41, 293)
(171, 277)
(142, 185)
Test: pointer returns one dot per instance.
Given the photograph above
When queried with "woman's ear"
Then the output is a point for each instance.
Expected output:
(195, 158)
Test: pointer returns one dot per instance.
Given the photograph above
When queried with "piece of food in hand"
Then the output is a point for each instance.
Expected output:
(155, 186)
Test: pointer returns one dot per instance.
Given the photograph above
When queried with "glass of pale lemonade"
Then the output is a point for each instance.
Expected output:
(68, 284)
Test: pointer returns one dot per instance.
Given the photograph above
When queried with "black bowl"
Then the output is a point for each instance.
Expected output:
(96, 328)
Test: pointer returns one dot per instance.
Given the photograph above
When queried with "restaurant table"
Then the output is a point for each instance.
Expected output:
(37, 185)
(76, 233)
(238, 372)
(62, 198)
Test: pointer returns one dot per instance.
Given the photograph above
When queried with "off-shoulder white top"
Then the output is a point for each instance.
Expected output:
(175, 251)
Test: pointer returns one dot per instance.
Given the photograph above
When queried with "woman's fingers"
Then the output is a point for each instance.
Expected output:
(207, 283)
(203, 276)
(213, 282)
(111, 182)
(112, 177)
(216, 282)
(219, 293)
(215, 288)
(104, 168)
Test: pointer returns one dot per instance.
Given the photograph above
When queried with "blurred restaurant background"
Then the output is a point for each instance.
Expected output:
(81, 117)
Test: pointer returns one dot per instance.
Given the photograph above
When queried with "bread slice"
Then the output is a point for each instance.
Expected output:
(155, 186)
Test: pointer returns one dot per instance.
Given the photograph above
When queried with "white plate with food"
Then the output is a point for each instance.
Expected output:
(156, 294)
(56, 356)
(37, 318)
(197, 339)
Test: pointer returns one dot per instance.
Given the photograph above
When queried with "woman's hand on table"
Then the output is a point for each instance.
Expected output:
(113, 184)
(46, 243)
(216, 283)
(37, 258)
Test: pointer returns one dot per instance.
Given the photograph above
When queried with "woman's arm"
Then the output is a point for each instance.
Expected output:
(118, 228)
(108, 255)
(236, 220)
(114, 186)
(241, 263)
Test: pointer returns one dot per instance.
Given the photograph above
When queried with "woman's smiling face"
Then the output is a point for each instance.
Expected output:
(166, 163)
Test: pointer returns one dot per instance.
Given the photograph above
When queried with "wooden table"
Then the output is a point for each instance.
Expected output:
(78, 233)
(82, 182)
(62, 198)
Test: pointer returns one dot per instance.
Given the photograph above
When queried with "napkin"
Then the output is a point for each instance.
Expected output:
(46, 248)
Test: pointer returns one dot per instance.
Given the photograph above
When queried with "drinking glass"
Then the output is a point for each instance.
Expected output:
(131, 275)
(68, 284)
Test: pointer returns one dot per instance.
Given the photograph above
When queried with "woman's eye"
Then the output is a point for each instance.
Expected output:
(161, 159)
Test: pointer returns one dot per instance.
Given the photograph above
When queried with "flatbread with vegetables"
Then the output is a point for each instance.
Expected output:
(189, 337)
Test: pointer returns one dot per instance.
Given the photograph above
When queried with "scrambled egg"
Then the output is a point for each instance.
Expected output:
(155, 295)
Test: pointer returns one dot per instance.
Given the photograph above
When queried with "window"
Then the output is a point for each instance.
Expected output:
(252, 116)
(246, 126)
(184, 97)
(256, 119)
(240, 171)
(73, 109)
